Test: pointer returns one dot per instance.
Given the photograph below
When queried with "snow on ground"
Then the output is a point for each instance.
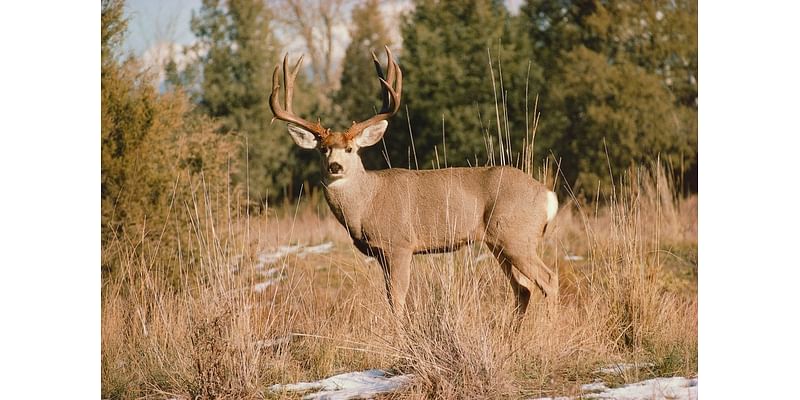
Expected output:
(370, 383)
(318, 249)
(351, 385)
(272, 257)
(270, 272)
(619, 369)
(676, 388)
(262, 286)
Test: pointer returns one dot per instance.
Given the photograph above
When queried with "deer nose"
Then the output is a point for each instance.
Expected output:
(335, 168)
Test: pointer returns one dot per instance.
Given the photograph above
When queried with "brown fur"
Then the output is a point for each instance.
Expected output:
(395, 213)
(335, 141)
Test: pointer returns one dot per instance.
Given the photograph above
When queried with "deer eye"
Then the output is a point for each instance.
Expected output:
(349, 149)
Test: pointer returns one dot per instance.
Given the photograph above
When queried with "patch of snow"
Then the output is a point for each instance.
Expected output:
(594, 387)
(234, 262)
(618, 369)
(270, 272)
(318, 249)
(570, 257)
(351, 385)
(676, 388)
(273, 257)
(268, 258)
(260, 287)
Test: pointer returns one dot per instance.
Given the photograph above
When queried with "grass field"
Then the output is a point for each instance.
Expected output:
(251, 311)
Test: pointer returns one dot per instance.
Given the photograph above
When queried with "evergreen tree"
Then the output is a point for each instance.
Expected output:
(622, 76)
(359, 95)
(447, 76)
(614, 116)
(240, 52)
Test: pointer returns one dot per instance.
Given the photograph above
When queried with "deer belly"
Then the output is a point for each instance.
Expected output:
(445, 237)
(446, 248)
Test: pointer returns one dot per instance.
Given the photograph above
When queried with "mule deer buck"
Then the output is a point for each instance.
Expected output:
(395, 213)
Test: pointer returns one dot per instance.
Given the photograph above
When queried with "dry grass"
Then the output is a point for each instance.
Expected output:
(631, 299)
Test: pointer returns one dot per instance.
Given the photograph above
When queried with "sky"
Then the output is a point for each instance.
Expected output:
(152, 22)
(158, 30)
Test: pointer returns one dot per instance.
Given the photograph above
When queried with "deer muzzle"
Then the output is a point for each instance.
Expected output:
(335, 168)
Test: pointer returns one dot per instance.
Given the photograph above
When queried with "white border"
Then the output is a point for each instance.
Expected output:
(50, 199)
(749, 83)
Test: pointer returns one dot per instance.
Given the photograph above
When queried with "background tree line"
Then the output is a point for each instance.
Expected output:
(616, 82)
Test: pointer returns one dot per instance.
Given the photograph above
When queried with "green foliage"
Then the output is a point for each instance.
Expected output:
(239, 52)
(622, 76)
(617, 114)
(446, 69)
(617, 84)
(359, 96)
(154, 150)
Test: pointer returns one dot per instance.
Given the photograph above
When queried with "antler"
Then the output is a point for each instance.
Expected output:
(287, 114)
(391, 96)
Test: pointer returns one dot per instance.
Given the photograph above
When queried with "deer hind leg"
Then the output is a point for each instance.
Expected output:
(397, 275)
(546, 279)
(530, 270)
(520, 285)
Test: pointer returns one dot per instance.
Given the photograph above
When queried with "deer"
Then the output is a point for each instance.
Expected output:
(393, 214)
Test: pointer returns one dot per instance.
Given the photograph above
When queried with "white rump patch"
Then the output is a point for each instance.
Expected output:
(552, 206)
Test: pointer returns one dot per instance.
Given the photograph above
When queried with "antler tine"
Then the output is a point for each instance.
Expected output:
(394, 103)
(390, 96)
(390, 71)
(398, 86)
(276, 85)
(286, 114)
(379, 70)
(378, 67)
(288, 85)
(288, 79)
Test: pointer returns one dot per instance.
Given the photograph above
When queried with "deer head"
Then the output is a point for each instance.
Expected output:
(338, 150)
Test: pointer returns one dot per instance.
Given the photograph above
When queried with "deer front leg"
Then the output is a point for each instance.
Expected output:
(397, 274)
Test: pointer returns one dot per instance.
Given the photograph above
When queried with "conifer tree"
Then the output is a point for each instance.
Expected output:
(622, 76)
(358, 97)
(239, 54)
(448, 81)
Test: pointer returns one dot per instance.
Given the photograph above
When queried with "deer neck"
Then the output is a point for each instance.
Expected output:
(349, 198)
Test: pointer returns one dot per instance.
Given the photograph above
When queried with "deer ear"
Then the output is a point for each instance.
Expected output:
(371, 134)
(302, 137)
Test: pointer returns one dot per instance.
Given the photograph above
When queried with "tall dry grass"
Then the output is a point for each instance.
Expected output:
(632, 298)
